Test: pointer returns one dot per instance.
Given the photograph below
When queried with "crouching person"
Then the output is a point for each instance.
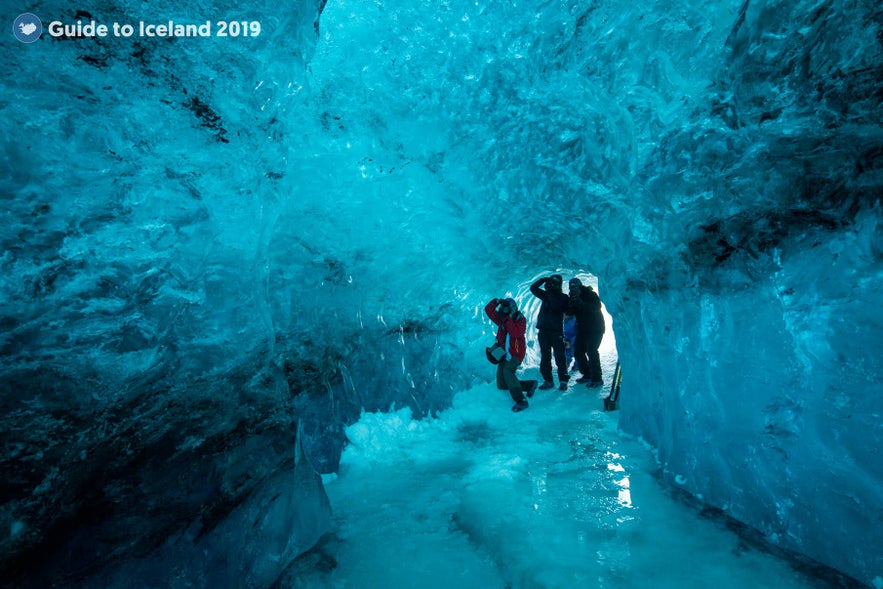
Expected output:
(511, 326)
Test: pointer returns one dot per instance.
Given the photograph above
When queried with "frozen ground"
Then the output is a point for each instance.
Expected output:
(550, 497)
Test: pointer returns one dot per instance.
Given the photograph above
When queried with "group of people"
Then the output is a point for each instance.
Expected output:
(578, 312)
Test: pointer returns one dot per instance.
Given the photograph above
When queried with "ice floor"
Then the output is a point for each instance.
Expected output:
(550, 497)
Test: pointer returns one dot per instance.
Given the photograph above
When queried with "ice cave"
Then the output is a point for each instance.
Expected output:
(247, 248)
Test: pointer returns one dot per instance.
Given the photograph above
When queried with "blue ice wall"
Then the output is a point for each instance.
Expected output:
(145, 406)
(751, 316)
(210, 243)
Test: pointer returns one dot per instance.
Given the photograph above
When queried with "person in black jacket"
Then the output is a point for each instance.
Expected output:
(585, 304)
(550, 327)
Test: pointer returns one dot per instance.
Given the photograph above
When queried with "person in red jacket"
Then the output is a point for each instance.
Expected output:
(510, 336)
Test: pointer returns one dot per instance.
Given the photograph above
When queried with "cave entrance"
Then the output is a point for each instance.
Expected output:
(530, 306)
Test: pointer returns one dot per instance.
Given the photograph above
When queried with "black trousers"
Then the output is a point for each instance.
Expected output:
(552, 342)
(506, 379)
(585, 350)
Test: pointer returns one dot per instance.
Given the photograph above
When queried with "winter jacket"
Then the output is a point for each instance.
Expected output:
(585, 304)
(510, 333)
(551, 316)
(570, 329)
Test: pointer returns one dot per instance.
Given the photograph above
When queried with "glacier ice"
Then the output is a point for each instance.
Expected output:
(209, 244)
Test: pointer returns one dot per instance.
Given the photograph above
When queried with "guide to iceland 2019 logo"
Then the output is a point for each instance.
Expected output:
(28, 28)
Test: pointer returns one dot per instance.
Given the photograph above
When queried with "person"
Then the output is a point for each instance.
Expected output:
(585, 305)
(550, 328)
(569, 337)
(511, 326)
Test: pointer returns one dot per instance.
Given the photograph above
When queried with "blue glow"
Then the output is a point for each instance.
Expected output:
(223, 258)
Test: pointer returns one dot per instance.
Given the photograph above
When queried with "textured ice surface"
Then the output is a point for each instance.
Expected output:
(550, 497)
(206, 242)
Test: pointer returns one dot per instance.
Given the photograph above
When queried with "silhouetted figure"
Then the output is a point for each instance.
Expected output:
(585, 305)
(550, 329)
(510, 336)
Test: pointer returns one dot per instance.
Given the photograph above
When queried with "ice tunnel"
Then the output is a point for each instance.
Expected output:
(220, 250)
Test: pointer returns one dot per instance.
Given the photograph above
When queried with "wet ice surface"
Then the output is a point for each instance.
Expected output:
(550, 497)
